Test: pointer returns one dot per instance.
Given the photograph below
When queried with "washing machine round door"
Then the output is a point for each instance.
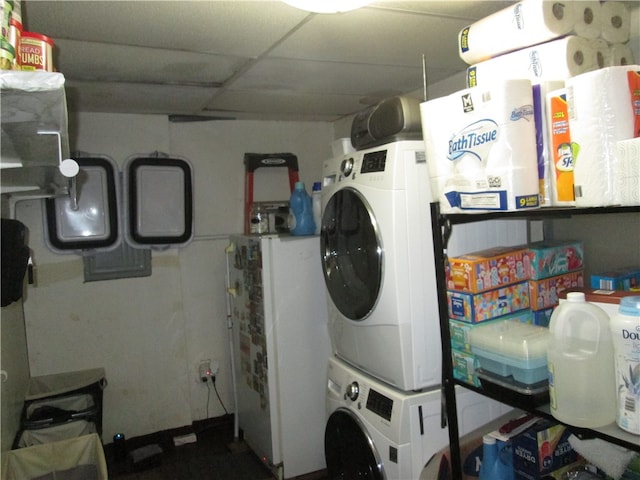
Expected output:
(349, 450)
(352, 254)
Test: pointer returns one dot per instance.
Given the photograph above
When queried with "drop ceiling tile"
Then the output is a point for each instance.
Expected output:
(116, 97)
(379, 37)
(285, 103)
(469, 10)
(302, 76)
(240, 28)
(122, 63)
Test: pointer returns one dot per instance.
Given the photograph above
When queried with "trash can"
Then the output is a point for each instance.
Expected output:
(80, 458)
(61, 406)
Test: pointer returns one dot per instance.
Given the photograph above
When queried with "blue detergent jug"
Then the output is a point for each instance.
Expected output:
(301, 217)
(497, 461)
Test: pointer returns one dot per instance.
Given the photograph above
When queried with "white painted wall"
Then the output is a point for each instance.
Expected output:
(150, 333)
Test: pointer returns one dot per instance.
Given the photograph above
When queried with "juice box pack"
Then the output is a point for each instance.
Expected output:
(479, 307)
(546, 293)
(487, 269)
(551, 258)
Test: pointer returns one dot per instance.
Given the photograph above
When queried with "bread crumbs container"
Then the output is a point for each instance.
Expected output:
(625, 331)
(36, 52)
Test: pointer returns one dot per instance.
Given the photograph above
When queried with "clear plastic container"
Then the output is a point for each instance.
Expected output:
(581, 369)
(509, 347)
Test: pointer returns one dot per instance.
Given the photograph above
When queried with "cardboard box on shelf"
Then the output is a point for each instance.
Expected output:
(619, 279)
(542, 450)
(546, 293)
(551, 258)
(479, 307)
(464, 367)
(608, 300)
(486, 269)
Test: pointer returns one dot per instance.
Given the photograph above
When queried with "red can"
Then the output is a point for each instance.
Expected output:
(36, 52)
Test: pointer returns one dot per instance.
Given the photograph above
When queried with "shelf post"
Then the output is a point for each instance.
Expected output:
(441, 230)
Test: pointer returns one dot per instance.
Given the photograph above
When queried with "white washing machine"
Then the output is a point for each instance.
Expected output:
(377, 255)
(376, 432)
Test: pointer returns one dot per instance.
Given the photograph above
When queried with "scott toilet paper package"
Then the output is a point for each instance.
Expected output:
(555, 60)
(526, 23)
(481, 148)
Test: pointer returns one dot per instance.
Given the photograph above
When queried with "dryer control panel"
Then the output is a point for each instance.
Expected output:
(379, 404)
(374, 162)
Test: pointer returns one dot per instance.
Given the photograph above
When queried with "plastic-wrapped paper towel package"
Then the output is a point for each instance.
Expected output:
(604, 109)
(532, 22)
(524, 24)
(480, 147)
(628, 179)
(554, 60)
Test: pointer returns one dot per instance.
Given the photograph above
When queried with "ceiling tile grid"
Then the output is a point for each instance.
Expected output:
(248, 59)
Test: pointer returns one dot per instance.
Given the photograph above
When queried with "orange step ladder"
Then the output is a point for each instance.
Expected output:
(253, 161)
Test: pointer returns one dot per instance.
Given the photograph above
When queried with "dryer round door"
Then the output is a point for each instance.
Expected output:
(349, 450)
(352, 254)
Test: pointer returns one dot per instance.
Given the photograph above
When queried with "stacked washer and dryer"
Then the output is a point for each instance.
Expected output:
(383, 378)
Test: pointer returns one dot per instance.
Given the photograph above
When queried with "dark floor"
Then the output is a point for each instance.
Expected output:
(215, 455)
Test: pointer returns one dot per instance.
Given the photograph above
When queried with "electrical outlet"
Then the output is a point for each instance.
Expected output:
(215, 367)
(204, 370)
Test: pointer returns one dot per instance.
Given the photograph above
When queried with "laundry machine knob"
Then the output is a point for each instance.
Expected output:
(346, 167)
(353, 390)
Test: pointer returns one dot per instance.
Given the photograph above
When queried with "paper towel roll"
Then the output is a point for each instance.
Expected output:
(627, 177)
(602, 51)
(526, 23)
(588, 16)
(555, 60)
(620, 54)
(600, 115)
(616, 22)
(480, 148)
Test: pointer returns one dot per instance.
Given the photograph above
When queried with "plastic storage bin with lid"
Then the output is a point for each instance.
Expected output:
(512, 348)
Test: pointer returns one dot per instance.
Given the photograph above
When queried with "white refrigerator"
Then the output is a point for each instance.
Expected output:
(281, 349)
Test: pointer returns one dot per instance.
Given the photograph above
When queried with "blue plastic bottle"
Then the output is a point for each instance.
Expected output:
(301, 218)
(497, 461)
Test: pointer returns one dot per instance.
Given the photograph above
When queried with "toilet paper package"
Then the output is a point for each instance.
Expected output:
(555, 60)
(604, 109)
(602, 51)
(588, 15)
(616, 22)
(562, 150)
(627, 179)
(620, 54)
(480, 148)
(526, 23)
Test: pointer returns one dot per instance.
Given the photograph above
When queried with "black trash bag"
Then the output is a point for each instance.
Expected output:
(15, 257)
